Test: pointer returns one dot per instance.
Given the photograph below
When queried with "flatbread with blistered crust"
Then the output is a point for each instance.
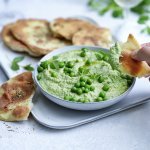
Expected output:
(16, 97)
(12, 42)
(37, 36)
(68, 27)
(95, 37)
(130, 65)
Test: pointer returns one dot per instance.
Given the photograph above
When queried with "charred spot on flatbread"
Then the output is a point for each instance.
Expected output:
(131, 65)
(16, 92)
(16, 97)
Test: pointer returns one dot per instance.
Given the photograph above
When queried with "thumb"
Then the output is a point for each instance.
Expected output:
(142, 55)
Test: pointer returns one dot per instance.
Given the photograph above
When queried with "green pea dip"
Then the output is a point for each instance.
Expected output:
(83, 76)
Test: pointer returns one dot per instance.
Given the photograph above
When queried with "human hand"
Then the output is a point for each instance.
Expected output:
(143, 54)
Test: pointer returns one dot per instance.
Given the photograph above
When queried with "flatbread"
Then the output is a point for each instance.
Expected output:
(12, 42)
(95, 37)
(36, 35)
(128, 64)
(16, 97)
(68, 27)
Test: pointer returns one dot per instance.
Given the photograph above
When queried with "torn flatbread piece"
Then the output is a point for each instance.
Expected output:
(16, 97)
(95, 37)
(36, 35)
(128, 64)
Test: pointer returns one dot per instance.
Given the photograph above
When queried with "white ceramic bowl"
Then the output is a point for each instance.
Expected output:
(78, 105)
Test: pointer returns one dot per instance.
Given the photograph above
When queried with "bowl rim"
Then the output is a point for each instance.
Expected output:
(76, 48)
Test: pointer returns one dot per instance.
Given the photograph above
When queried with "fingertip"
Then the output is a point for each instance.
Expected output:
(134, 55)
(146, 44)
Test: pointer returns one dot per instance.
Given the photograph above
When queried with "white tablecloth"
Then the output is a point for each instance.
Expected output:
(129, 130)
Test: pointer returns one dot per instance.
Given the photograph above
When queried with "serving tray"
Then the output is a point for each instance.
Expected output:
(52, 115)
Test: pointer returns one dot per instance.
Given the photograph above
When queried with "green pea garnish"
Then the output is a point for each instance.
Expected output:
(105, 87)
(44, 64)
(70, 64)
(88, 62)
(81, 69)
(82, 84)
(83, 79)
(86, 101)
(102, 94)
(86, 90)
(72, 74)
(99, 99)
(99, 56)
(52, 65)
(72, 99)
(84, 49)
(67, 70)
(87, 86)
(53, 74)
(92, 88)
(101, 79)
(74, 89)
(79, 91)
(82, 54)
(66, 97)
(106, 58)
(38, 77)
(83, 88)
(89, 82)
(40, 69)
(77, 85)
(61, 64)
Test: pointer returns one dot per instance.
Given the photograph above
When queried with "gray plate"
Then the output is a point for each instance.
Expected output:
(51, 115)
(54, 116)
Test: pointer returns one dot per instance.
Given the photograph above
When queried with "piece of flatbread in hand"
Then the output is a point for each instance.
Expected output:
(95, 37)
(12, 42)
(16, 97)
(37, 36)
(68, 27)
(128, 64)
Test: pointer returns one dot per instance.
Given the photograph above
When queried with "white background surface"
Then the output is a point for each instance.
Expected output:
(129, 130)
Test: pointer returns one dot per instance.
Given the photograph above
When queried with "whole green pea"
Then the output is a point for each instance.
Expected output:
(38, 77)
(89, 82)
(82, 84)
(61, 64)
(105, 87)
(44, 64)
(82, 54)
(102, 94)
(79, 91)
(101, 79)
(99, 99)
(40, 69)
